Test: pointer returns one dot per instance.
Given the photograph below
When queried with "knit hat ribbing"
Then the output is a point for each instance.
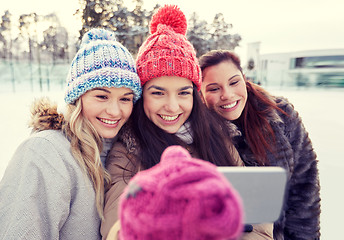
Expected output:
(167, 52)
(101, 62)
(180, 198)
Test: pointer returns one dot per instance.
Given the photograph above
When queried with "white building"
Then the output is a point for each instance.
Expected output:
(305, 68)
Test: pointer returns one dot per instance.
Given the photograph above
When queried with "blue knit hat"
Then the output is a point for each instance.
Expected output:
(101, 62)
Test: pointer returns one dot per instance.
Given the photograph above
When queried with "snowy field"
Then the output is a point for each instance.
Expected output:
(321, 110)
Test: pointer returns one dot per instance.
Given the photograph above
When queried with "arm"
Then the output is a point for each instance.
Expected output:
(121, 168)
(303, 213)
(261, 231)
(34, 195)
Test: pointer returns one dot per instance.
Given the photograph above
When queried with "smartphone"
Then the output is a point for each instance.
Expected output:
(262, 190)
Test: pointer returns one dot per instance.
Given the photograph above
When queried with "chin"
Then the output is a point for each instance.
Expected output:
(171, 131)
(109, 135)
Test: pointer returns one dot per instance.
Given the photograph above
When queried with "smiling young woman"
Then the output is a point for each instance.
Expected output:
(269, 132)
(54, 185)
(170, 111)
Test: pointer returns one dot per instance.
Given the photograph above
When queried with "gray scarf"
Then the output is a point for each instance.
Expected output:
(185, 133)
(107, 144)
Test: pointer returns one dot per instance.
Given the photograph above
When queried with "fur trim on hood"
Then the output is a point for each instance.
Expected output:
(233, 129)
(44, 115)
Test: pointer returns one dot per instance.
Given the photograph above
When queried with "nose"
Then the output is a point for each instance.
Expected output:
(226, 93)
(113, 108)
(172, 104)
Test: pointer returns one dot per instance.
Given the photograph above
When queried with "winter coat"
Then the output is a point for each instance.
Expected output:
(44, 194)
(294, 152)
(123, 164)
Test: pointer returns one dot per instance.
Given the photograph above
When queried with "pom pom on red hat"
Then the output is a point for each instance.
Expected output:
(169, 15)
(167, 52)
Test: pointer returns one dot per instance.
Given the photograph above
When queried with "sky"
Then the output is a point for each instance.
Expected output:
(279, 26)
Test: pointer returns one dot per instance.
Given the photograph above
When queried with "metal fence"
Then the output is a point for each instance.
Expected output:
(28, 76)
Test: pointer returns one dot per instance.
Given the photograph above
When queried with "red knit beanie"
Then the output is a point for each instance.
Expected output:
(167, 52)
(180, 198)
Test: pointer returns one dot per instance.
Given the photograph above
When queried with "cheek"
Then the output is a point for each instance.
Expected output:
(127, 110)
(212, 99)
(87, 111)
(188, 105)
(149, 106)
(243, 91)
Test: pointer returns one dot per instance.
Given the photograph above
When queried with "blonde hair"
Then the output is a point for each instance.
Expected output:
(86, 145)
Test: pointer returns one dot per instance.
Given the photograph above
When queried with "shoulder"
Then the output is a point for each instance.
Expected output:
(45, 151)
(50, 136)
(291, 118)
(46, 142)
(117, 149)
(292, 127)
(284, 104)
(121, 159)
(43, 159)
(274, 116)
(39, 141)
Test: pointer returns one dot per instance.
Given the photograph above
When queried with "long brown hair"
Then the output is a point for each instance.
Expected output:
(254, 120)
(210, 136)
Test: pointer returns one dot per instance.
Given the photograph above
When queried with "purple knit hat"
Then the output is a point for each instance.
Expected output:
(180, 198)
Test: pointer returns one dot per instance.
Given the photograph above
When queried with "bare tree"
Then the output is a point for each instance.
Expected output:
(6, 39)
(205, 37)
(221, 36)
(96, 13)
(198, 34)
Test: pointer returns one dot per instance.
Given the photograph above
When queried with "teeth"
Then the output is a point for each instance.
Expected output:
(229, 105)
(108, 121)
(169, 118)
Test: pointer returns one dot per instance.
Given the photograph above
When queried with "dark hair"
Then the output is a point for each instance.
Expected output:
(254, 119)
(210, 135)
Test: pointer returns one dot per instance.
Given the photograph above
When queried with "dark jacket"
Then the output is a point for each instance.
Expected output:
(300, 218)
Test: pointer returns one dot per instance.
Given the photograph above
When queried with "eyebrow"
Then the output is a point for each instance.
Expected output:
(210, 84)
(233, 77)
(163, 89)
(156, 87)
(186, 88)
(101, 89)
(107, 91)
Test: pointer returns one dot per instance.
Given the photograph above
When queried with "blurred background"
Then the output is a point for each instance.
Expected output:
(294, 43)
(292, 48)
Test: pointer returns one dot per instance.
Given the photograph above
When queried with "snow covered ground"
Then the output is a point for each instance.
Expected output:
(321, 110)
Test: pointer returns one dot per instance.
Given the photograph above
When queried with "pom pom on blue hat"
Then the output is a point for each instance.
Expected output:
(101, 62)
(97, 34)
